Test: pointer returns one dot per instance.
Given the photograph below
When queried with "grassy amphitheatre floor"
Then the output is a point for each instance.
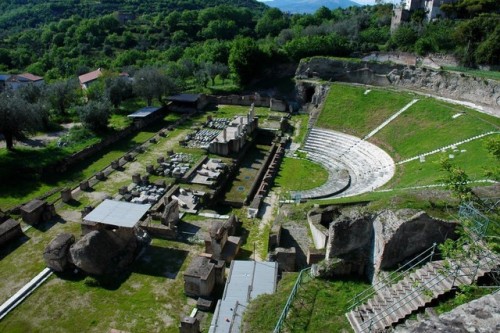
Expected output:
(300, 174)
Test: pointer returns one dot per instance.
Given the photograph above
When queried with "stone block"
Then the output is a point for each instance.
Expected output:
(153, 140)
(115, 165)
(204, 304)
(160, 183)
(86, 210)
(145, 180)
(56, 254)
(286, 259)
(66, 195)
(128, 157)
(9, 230)
(32, 212)
(123, 190)
(84, 185)
(136, 178)
(100, 176)
(314, 256)
(189, 325)
(160, 159)
(150, 169)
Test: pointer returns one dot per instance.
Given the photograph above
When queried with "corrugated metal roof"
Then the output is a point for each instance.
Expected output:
(247, 280)
(144, 112)
(117, 213)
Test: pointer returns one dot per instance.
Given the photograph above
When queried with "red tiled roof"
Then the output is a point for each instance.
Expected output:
(91, 76)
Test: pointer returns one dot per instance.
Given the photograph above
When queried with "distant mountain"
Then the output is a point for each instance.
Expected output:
(308, 6)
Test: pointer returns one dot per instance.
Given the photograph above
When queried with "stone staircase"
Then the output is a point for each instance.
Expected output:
(392, 303)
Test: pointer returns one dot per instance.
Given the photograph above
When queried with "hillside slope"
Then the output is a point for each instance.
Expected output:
(16, 16)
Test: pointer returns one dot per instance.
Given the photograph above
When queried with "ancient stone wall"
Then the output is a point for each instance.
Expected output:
(446, 84)
(319, 233)
(247, 100)
(367, 242)
(404, 233)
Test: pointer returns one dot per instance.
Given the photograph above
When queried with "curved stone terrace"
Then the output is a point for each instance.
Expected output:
(366, 166)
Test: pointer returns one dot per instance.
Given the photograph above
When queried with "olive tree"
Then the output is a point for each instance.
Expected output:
(18, 118)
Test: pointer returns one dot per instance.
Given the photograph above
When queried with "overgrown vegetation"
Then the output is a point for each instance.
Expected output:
(319, 306)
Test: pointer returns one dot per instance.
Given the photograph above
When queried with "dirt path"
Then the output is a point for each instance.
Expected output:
(40, 141)
(266, 214)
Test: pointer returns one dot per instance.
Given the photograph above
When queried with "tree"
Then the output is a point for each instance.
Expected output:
(95, 114)
(118, 89)
(493, 147)
(404, 37)
(61, 95)
(151, 82)
(457, 181)
(17, 118)
(271, 23)
(245, 59)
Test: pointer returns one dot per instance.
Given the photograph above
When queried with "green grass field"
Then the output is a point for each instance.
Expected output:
(24, 187)
(429, 124)
(148, 298)
(473, 160)
(494, 75)
(319, 306)
(348, 109)
(300, 174)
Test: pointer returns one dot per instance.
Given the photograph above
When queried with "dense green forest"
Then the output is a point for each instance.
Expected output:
(59, 39)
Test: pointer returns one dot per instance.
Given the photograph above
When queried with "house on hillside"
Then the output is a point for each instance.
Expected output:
(431, 8)
(16, 81)
(87, 79)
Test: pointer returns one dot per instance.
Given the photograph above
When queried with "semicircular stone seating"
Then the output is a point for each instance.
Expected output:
(368, 166)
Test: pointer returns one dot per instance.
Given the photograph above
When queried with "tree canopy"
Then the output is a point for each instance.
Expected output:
(17, 118)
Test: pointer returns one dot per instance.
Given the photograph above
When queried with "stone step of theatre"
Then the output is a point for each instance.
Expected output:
(392, 303)
(369, 167)
(338, 179)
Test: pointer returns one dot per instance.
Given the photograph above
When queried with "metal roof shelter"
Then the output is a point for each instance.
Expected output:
(144, 112)
(247, 280)
(188, 98)
(117, 213)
